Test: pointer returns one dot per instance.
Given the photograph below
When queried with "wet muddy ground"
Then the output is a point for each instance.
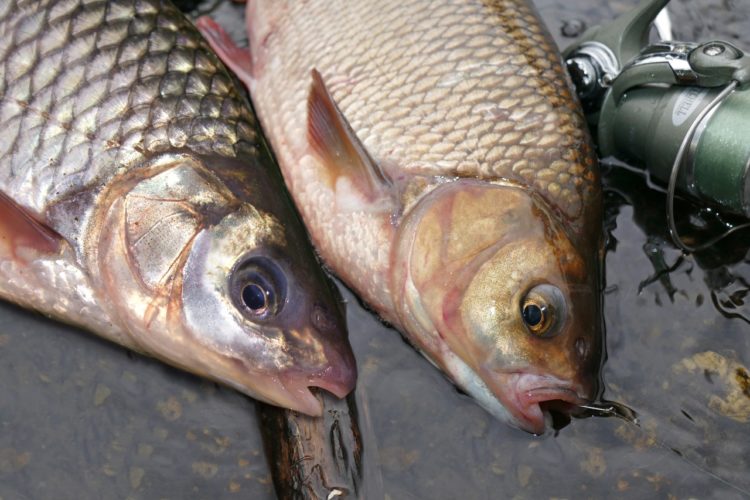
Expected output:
(81, 418)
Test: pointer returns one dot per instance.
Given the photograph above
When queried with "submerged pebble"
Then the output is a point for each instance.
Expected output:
(101, 394)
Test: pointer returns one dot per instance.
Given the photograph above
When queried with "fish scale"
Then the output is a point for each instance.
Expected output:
(92, 87)
(441, 88)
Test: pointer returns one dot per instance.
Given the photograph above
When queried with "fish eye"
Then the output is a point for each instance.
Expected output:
(534, 314)
(256, 297)
(258, 287)
(543, 310)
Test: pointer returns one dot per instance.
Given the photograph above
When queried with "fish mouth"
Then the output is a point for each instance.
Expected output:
(297, 394)
(535, 400)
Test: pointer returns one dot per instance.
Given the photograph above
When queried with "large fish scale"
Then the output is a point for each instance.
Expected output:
(70, 124)
(472, 89)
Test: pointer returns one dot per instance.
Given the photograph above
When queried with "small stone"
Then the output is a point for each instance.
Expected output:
(572, 28)
(145, 450)
(398, 458)
(265, 479)
(189, 396)
(370, 366)
(4, 339)
(101, 393)
(410, 458)
(594, 463)
(524, 475)
(136, 476)
(497, 469)
(222, 443)
(477, 427)
(234, 487)
(205, 469)
(171, 409)
(161, 433)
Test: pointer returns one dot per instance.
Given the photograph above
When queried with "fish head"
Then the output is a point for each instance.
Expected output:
(502, 300)
(212, 272)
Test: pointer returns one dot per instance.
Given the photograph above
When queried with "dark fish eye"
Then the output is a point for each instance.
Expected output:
(533, 315)
(256, 297)
(543, 310)
(258, 287)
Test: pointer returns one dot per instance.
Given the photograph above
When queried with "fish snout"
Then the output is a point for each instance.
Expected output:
(538, 401)
(338, 378)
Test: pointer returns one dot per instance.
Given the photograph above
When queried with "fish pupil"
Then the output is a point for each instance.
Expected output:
(532, 314)
(254, 297)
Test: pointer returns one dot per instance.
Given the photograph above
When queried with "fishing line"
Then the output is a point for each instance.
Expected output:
(617, 410)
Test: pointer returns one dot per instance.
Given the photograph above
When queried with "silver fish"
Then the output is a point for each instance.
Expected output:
(139, 202)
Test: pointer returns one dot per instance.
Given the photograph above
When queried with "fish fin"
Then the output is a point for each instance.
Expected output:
(239, 60)
(335, 143)
(22, 236)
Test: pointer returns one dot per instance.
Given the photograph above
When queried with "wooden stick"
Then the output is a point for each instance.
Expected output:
(314, 458)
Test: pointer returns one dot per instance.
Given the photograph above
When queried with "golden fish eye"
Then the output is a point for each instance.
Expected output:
(535, 316)
(542, 310)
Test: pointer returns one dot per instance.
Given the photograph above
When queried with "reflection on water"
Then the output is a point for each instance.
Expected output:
(81, 418)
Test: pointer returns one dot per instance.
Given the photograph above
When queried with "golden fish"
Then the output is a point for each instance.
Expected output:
(442, 166)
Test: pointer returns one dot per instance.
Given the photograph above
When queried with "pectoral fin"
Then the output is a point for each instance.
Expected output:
(22, 236)
(334, 142)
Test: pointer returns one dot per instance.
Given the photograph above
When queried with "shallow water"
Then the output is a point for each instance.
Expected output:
(82, 418)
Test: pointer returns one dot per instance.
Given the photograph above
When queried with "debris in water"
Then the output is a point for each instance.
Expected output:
(735, 378)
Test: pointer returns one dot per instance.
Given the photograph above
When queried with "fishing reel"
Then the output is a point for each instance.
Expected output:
(680, 109)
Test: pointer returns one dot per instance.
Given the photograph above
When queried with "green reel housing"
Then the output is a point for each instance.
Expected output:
(643, 111)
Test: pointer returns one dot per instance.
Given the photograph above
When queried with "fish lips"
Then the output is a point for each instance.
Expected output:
(529, 397)
(339, 378)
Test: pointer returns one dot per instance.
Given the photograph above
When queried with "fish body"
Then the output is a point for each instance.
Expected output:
(442, 166)
(140, 202)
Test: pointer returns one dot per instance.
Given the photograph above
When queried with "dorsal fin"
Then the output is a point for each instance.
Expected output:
(22, 235)
(239, 60)
(337, 146)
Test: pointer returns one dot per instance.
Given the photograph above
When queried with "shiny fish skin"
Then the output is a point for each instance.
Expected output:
(128, 140)
(467, 88)
(480, 197)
